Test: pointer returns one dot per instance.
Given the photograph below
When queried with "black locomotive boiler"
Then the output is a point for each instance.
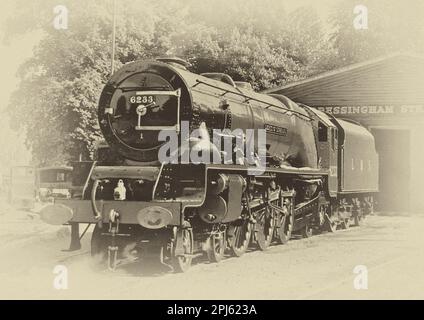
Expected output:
(320, 173)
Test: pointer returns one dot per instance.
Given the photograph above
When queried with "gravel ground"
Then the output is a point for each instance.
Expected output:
(321, 267)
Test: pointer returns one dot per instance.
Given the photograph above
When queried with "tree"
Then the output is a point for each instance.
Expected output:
(56, 102)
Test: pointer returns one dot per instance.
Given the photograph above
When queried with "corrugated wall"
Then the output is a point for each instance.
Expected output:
(395, 81)
(394, 84)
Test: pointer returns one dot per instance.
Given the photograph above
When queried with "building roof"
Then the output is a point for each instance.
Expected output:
(393, 79)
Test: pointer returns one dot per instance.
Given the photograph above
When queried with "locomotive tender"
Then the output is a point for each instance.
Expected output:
(321, 173)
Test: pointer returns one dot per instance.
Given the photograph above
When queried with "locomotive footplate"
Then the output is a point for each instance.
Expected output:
(151, 215)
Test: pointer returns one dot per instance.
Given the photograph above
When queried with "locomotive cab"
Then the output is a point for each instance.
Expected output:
(327, 147)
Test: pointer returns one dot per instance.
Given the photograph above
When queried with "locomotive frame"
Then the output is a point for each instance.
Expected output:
(180, 211)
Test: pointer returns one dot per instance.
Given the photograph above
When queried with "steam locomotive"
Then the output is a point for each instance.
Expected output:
(318, 173)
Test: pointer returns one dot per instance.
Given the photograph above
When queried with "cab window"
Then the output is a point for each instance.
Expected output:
(322, 132)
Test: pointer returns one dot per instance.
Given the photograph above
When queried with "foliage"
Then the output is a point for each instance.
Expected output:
(60, 85)
(393, 26)
(262, 43)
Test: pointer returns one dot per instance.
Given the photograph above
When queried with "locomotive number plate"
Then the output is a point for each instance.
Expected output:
(142, 99)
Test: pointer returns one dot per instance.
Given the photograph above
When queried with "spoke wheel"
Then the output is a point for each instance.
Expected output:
(357, 218)
(346, 223)
(285, 227)
(327, 223)
(330, 225)
(307, 231)
(264, 229)
(182, 262)
(240, 237)
(216, 248)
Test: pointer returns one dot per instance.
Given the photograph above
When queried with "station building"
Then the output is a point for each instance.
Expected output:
(386, 95)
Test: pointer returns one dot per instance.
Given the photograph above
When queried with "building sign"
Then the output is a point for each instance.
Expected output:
(374, 110)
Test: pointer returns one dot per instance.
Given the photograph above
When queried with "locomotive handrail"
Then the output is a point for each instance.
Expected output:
(126, 89)
(296, 113)
(96, 212)
(176, 93)
(87, 181)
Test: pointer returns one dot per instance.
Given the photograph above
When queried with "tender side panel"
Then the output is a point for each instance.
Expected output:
(359, 159)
